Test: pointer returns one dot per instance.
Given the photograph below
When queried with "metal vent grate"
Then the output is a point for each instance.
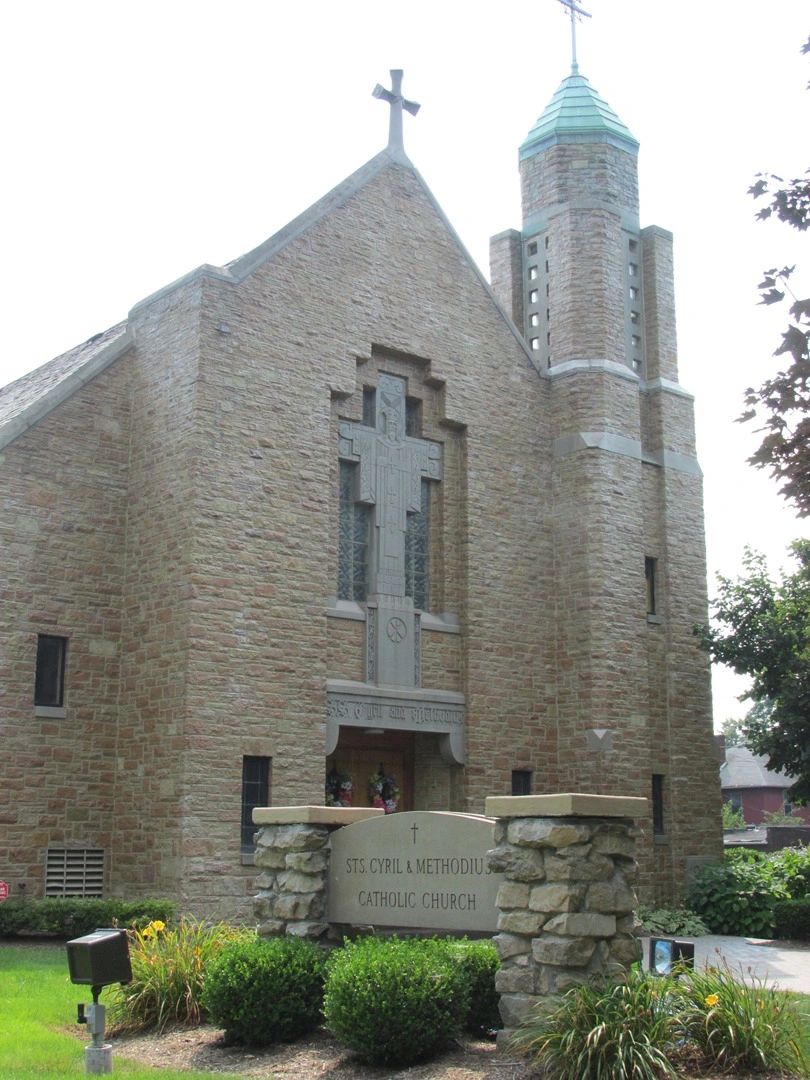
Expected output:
(74, 872)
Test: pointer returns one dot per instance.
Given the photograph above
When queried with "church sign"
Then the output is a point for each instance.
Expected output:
(420, 869)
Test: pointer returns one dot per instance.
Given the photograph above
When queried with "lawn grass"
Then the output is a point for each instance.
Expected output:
(37, 1012)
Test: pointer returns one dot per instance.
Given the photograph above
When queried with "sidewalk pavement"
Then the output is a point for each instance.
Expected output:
(753, 958)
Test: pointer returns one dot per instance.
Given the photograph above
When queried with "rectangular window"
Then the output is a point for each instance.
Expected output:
(49, 685)
(417, 530)
(650, 565)
(353, 538)
(521, 782)
(255, 792)
(658, 804)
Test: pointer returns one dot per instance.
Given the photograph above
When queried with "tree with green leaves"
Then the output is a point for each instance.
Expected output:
(761, 628)
(782, 403)
(733, 732)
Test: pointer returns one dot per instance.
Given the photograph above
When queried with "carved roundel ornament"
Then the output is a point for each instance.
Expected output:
(396, 629)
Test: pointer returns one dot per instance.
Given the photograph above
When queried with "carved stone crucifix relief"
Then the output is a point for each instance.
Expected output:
(391, 467)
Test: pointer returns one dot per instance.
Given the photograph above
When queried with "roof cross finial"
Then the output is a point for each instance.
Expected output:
(398, 103)
(573, 11)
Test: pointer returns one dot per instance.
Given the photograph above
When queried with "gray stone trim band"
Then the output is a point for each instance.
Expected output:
(666, 386)
(670, 459)
(566, 445)
(442, 622)
(597, 364)
(597, 440)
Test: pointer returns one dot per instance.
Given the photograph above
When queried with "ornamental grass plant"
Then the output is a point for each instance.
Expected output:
(168, 970)
(650, 1027)
(605, 1030)
(740, 1026)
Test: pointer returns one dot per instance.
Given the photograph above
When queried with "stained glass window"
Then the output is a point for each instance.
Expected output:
(416, 552)
(352, 540)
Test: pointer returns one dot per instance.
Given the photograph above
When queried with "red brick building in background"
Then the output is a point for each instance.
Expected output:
(749, 785)
(341, 504)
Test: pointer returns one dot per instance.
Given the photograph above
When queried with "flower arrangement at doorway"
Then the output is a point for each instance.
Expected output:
(339, 788)
(383, 791)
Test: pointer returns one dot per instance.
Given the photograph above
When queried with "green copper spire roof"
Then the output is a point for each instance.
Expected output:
(577, 113)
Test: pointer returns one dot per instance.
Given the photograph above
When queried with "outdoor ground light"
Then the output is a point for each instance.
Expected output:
(669, 953)
(98, 960)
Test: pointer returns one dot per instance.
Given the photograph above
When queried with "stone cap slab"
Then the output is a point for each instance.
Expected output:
(571, 804)
(313, 815)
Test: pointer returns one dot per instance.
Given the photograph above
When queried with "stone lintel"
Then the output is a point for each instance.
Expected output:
(572, 804)
(313, 815)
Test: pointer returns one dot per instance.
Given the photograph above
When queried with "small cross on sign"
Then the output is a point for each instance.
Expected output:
(414, 830)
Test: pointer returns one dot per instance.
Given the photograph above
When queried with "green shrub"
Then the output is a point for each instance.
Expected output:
(169, 965)
(731, 818)
(736, 897)
(671, 921)
(792, 919)
(74, 918)
(737, 1026)
(395, 1002)
(780, 817)
(791, 867)
(266, 991)
(604, 1031)
(479, 962)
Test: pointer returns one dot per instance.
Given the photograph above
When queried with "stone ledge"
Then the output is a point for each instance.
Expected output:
(313, 815)
(570, 804)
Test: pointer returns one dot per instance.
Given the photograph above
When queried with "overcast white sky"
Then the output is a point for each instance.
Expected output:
(142, 139)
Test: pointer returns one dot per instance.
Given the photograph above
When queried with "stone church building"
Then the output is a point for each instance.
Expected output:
(343, 509)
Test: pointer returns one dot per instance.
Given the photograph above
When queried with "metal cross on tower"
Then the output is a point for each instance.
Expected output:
(398, 103)
(574, 10)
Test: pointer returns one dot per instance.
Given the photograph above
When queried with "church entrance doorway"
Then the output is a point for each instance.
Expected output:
(376, 764)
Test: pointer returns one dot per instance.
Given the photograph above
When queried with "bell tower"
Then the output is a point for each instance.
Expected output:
(592, 293)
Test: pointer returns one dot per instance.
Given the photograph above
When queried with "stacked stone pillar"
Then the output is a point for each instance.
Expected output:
(566, 908)
(292, 853)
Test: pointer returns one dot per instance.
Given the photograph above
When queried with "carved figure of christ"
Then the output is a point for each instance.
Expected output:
(391, 468)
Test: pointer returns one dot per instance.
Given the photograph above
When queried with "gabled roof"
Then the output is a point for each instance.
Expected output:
(577, 113)
(28, 399)
(32, 396)
(744, 769)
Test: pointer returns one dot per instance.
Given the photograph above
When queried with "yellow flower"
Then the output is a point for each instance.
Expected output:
(711, 1000)
(157, 925)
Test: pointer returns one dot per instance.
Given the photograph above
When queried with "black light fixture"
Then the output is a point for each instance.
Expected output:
(669, 953)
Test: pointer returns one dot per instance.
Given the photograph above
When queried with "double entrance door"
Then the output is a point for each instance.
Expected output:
(362, 754)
